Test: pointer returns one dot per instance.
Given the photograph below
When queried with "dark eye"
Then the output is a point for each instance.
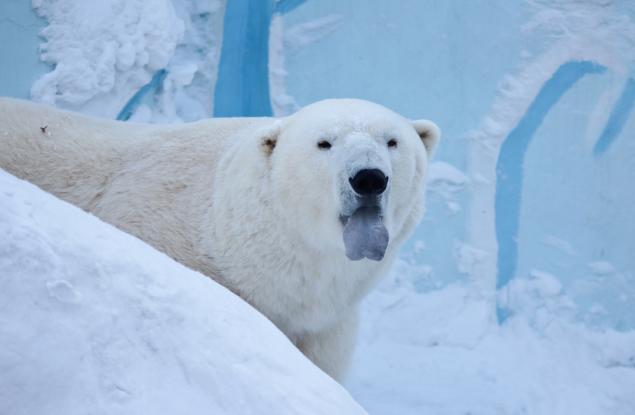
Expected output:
(392, 143)
(324, 145)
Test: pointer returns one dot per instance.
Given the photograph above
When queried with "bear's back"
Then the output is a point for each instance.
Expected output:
(153, 181)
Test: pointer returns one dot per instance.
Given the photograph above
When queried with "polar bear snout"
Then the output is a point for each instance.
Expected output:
(365, 234)
(369, 182)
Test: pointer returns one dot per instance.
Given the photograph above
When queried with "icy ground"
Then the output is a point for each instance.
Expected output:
(442, 352)
(94, 321)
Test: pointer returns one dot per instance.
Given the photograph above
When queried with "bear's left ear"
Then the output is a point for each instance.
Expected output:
(429, 133)
(268, 137)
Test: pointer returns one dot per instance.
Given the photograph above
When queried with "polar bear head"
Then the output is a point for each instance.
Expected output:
(348, 175)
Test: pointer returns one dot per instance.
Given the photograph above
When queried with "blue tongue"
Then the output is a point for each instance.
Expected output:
(365, 235)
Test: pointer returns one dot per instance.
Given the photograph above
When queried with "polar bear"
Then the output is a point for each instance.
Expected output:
(299, 215)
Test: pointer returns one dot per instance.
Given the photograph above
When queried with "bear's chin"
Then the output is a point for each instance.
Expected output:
(365, 235)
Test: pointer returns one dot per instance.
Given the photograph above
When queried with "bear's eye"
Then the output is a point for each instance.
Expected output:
(392, 143)
(324, 145)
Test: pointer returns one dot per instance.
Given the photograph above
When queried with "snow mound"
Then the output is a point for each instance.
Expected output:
(93, 320)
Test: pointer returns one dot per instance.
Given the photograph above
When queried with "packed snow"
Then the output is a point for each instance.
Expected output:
(92, 320)
(103, 52)
(442, 352)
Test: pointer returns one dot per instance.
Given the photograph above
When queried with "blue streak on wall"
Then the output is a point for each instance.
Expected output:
(285, 6)
(242, 88)
(509, 169)
(153, 86)
(617, 119)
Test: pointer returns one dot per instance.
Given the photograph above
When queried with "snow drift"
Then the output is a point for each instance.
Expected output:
(93, 320)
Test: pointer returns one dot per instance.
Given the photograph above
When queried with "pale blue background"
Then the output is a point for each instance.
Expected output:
(445, 60)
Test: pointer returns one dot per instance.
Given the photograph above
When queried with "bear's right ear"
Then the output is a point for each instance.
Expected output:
(429, 133)
(268, 137)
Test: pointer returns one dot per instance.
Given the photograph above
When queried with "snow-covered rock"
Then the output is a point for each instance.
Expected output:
(93, 320)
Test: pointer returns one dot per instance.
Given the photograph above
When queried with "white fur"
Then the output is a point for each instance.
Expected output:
(251, 202)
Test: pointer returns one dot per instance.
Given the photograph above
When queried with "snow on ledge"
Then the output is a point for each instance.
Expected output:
(92, 320)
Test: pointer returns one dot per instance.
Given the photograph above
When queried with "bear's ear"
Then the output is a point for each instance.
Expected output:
(429, 133)
(268, 137)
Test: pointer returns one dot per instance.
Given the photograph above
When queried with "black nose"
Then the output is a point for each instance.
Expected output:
(369, 182)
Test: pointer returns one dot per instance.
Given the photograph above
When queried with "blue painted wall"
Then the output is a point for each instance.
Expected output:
(510, 167)
(19, 59)
(576, 217)
(242, 88)
(618, 118)
(424, 60)
(561, 191)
